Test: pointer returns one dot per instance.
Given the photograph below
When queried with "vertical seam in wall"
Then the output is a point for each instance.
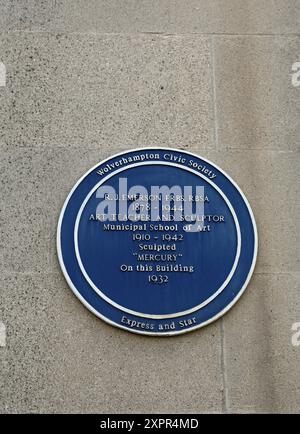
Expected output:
(225, 402)
(214, 96)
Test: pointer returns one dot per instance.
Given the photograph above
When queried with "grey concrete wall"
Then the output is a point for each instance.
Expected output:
(87, 79)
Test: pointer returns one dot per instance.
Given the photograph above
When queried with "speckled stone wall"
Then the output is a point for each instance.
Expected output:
(87, 79)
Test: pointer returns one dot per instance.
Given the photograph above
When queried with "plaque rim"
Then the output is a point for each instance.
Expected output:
(149, 333)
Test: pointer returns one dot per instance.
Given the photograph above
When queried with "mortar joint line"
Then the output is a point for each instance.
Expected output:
(214, 95)
(225, 396)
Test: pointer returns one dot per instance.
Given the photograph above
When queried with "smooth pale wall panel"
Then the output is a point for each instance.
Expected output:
(163, 16)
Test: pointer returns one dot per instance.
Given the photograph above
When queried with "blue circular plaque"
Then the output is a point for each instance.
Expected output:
(157, 241)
